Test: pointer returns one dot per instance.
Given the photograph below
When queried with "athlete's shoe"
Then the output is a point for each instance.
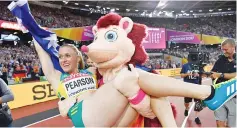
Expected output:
(223, 92)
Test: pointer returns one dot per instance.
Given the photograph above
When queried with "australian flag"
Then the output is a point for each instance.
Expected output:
(46, 39)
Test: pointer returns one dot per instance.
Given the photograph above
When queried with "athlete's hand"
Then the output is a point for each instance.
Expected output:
(65, 105)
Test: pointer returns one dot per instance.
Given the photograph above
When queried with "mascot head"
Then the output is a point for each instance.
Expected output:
(117, 41)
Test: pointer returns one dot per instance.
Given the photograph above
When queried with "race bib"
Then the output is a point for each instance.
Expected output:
(78, 83)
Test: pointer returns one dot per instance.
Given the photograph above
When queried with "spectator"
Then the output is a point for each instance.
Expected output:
(223, 70)
(5, 96)
(190, 75)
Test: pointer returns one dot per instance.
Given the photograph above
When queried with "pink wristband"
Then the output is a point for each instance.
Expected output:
(138, 98)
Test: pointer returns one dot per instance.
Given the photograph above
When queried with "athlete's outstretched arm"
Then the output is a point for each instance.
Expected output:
(50, 72)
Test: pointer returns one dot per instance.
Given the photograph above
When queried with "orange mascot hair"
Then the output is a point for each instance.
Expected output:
(137, 35)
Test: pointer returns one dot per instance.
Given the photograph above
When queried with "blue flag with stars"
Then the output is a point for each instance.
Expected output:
(46, 39)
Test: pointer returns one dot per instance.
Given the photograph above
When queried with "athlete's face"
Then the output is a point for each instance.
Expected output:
(68, 59)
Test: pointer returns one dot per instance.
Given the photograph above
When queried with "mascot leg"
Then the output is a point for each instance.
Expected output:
(164, 112)
(160, 106)
(127, 118)
(155, 122)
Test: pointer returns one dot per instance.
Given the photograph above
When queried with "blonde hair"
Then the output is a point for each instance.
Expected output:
(81, 63)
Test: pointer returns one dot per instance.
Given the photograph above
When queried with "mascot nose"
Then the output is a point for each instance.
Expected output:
(84, 49)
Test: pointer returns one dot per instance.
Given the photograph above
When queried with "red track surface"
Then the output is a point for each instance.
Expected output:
(33, 109)
(206, 116)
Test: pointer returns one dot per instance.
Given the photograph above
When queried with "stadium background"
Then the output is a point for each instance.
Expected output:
(175, 27)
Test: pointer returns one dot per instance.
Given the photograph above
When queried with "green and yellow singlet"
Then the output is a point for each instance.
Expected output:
(75, 85)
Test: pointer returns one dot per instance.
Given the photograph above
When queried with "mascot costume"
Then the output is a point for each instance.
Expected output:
(101, 52)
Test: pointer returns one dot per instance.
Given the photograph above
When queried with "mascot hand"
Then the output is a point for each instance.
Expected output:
(65, 105)
(127, 81)
(144, 107)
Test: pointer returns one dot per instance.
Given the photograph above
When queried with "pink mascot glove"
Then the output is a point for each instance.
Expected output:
(127, 83)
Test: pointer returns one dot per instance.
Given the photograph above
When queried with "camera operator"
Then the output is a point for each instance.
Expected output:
(190, 74)
(5, 113)
(225, 69)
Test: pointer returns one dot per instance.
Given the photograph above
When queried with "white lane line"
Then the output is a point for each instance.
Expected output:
(186, 118)
(40, 121)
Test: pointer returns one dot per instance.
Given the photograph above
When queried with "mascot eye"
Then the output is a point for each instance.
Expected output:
(111, 36)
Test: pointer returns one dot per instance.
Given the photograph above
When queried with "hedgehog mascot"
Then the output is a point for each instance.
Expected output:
(118, 43)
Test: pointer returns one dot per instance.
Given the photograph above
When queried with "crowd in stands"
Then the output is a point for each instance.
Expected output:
(183, 53)
(157, 62)
(24, 58)
(49, 17)
(62, 18)
(223, 26)
(161, 62)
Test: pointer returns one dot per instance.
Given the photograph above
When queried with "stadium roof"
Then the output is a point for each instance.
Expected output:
(199, 6)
